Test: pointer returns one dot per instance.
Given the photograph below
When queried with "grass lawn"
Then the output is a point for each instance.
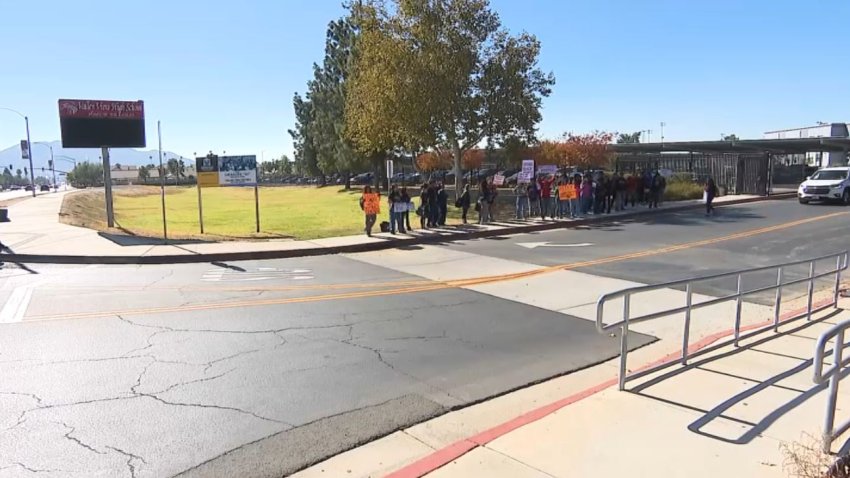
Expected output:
(285, 212)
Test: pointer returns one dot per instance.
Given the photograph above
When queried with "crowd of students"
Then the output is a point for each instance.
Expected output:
(590, 193)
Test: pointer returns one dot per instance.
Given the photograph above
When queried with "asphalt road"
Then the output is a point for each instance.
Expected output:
(262, 368)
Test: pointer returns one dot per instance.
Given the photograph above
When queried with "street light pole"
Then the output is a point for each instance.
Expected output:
(29, 145)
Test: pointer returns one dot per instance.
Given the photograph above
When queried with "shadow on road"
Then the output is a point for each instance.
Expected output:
(134, 240)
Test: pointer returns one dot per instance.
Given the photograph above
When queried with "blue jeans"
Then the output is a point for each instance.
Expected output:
(396, 221)
(522, 207)
(563, 207)
(574, 209)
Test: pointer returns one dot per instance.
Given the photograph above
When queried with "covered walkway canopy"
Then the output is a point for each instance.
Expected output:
(774, 146)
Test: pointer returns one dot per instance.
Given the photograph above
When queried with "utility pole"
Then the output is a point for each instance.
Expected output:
(663, 124)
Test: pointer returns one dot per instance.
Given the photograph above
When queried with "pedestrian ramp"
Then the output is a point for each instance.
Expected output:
(731, 411)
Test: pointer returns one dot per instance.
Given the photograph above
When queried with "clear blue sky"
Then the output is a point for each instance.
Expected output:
(220, 75)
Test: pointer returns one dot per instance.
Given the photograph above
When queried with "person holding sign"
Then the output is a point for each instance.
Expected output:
(370, 203)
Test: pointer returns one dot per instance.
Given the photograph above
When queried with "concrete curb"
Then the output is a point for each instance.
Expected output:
(353, 248)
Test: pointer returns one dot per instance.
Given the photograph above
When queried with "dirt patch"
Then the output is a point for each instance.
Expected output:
(84, 209)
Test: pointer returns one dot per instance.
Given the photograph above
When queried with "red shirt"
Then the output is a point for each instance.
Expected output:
(546, 188)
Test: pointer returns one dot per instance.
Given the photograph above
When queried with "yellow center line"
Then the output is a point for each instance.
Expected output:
(417, 286)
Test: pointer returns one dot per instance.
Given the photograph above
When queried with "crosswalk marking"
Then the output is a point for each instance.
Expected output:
(16, 306)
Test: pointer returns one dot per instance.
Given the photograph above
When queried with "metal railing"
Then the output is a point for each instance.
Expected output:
(839, 259)
(834, 375)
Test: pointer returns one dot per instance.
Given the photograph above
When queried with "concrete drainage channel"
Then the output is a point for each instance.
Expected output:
(354, 248)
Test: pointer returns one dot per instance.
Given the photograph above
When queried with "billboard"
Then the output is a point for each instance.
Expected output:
(214, 171)
(98, 124)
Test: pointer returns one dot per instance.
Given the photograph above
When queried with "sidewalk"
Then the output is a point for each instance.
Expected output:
(725, 414)
(36, 235)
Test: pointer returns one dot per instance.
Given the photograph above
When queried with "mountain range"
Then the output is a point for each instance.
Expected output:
(41, 154)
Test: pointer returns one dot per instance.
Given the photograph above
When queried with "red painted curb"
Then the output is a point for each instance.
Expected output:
(446, 455)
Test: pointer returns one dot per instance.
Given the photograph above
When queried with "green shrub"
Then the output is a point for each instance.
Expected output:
(681, 188)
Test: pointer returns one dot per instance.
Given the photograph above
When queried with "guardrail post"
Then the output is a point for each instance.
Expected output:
(835, 376)
(777, 304)
(738, 304)
(811, 290)
(624, 341)
(686, 335)
(837, 281)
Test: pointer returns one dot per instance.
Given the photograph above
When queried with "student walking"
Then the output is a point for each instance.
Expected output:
(533, 199)
(710, 194)
(433, 205)
(654, 190)
(619, 192)
(631, 190)
(464, 202)
(522, 206)
(483, 203)
(546, 197)
(586, 195)
(405, 199)
(424, 207)
(395, 204)
(370, 204)
(442, 204)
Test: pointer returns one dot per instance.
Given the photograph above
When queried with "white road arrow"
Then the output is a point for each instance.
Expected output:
(534, 245)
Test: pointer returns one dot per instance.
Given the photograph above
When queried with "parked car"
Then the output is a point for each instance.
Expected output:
(827, 184)
(28, 187)
(45, 187)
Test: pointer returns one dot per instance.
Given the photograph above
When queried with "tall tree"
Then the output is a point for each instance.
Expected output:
(302, 137)
(629, 138)
(441, 73)
(730, 137)
(327, 92)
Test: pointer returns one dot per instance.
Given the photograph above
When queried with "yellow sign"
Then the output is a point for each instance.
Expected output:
(371, 203)
(566, 191)
(208, 180)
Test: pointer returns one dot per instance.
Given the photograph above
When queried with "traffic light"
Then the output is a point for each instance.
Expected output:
(25, 171)
(50, 164)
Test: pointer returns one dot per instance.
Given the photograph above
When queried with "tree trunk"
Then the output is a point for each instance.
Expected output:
(347, 181)
(458, 157)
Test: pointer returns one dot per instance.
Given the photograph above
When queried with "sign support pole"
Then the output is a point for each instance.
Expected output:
(107, 187)
(200, 209)
(162, 182)
(257, 205)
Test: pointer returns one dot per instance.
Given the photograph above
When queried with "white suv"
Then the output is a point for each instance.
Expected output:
(827, 184)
